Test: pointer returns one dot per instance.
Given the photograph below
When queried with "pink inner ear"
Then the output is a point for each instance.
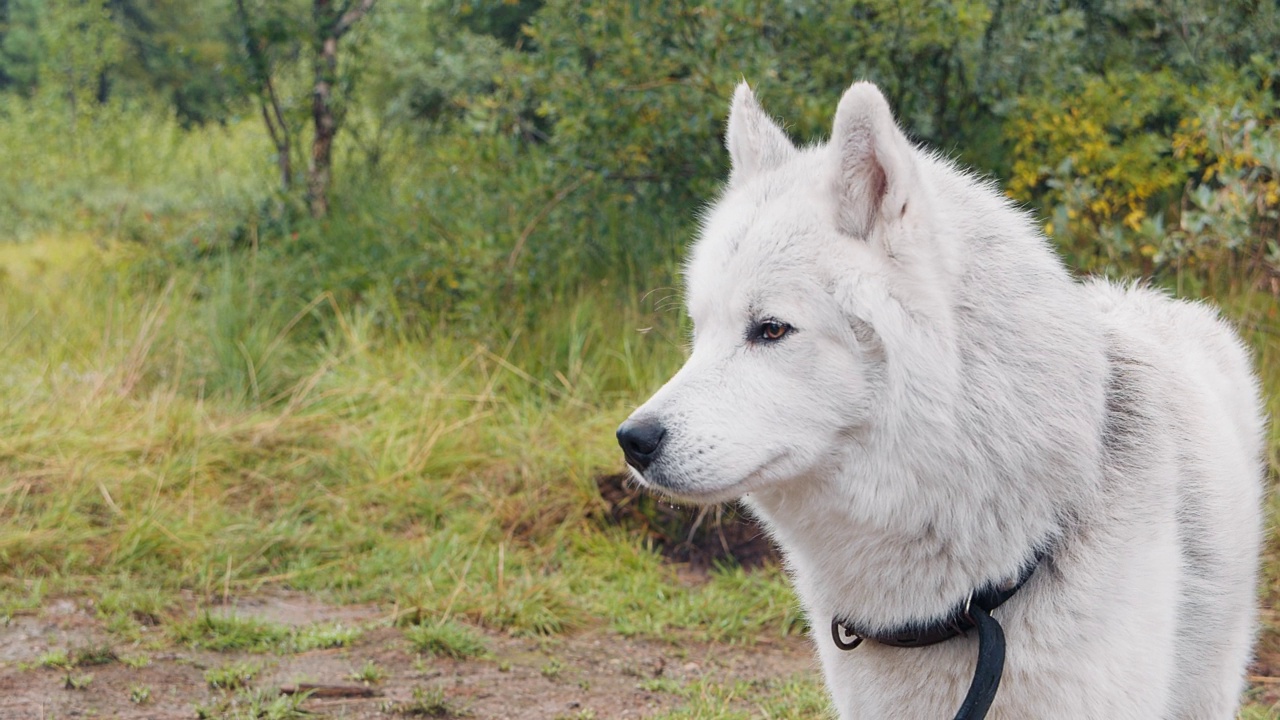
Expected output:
(877, 186)
(874, 160)
(863, 186)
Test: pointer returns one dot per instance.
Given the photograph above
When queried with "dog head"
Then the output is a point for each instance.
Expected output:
(789, 287)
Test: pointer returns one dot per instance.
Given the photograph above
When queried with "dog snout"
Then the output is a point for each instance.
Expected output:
(641, 440)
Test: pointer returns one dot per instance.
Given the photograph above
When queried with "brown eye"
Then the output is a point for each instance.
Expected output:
(773, 330)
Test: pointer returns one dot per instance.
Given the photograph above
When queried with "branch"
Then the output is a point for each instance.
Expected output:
(351, 17)
(542, 215)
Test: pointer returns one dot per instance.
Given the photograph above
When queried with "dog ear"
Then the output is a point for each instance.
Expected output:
(875, 168)
(754, 140)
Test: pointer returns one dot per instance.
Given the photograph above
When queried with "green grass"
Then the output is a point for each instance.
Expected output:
(121, 170)
(232, 676)
(446, 639)
(205, 441)
(370, 673)
(77, 681)
(56, 659)
(139, 694)
(216, 632)
(784, 698)
(177, 423)
(251, 704)
(427, 702)
(325, 637)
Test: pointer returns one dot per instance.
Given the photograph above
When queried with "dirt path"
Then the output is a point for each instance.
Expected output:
(590, 674)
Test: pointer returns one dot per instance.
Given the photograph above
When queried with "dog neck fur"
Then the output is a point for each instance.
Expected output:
(863, 537)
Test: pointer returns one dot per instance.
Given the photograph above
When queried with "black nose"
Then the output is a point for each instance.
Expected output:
(640, 441)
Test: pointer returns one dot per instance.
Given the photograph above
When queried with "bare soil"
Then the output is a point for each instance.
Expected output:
(589, 672)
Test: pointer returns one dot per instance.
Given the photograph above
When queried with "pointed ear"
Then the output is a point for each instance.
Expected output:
(875, 169)
(754, 140)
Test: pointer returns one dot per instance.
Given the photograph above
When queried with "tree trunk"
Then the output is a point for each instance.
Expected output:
(330, 27)
(266, 90)
(320, 171)
(280, 138)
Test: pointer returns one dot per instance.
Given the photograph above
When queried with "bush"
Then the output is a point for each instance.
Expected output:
(1168, 178)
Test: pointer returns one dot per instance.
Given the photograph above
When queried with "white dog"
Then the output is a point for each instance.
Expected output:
(898, 375)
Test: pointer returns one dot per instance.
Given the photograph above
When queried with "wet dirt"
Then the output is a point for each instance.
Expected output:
(697, 538)
(588, 674)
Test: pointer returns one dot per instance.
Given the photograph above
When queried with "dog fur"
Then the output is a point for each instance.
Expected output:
(945, 402)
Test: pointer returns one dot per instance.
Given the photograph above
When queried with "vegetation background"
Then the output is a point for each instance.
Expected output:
(233, 363)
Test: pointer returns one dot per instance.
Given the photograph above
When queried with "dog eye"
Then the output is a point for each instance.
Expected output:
(772, 330)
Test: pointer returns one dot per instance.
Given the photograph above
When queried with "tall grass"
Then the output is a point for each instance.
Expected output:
(123, 170)
(194, 439)
(203, 394)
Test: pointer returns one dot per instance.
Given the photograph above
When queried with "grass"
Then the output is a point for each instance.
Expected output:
(175, 433)
(216, 632)
(785, 698)
(232, 676)
(446, 639)
(325, 637)
(553, 669)
(139, 694)
(80, 657)
(57, 659)
(77, 681)
(221, 462)
(370, 673)
(185, 468)
(427, 702)
(251, 704)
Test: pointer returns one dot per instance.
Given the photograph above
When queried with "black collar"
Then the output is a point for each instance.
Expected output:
(931, 632)
(975, 612)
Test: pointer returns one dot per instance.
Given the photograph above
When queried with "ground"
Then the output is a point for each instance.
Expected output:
(62, 662)
(589, 674)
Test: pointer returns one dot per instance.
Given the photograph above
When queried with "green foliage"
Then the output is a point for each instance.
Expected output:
(204, 390)
(94, 655)
(637, 91)
(1190, 37)
(19, 45)
(1100, 164)
(1166, 178)
(180, 52)
(495, 148)
(1231, 207)
(437, 62)
(125, 172)
(79, 45)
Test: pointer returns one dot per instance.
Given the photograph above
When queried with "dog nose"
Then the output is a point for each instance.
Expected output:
(640, 441)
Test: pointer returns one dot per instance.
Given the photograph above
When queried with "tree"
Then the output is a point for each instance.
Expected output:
(183, 52)
(259, 39)
(330, 25)
(81, 44)
(19, 44)
(273, 35)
